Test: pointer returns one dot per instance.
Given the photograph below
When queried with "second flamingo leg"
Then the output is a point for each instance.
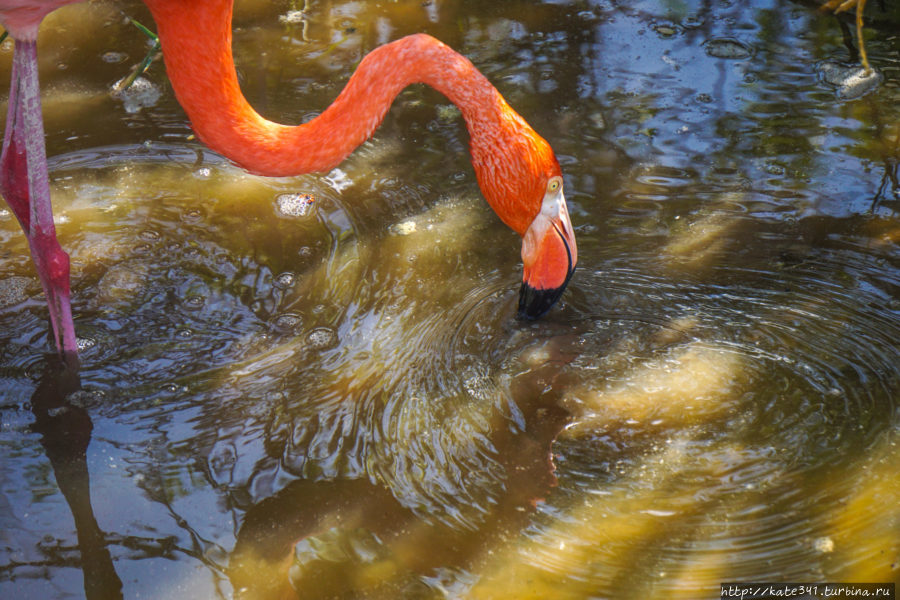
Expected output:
(24, 183)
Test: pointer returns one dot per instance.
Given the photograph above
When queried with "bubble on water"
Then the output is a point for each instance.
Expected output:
(184, 334)
(287, 322)
(727, 48)
(859, 83)
(4, 214)
(295, 205)
(665, 30)
(285, 280)
(113, 57)
(292, 17)
(851, 81)
(142, 93)
(321, 338)
(85, 343)
(203, 173)
(834, 73)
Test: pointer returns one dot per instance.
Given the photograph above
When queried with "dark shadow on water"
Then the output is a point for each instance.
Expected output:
(65, 430)
(354, 538)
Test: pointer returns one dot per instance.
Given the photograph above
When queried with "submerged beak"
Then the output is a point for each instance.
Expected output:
(548, 253)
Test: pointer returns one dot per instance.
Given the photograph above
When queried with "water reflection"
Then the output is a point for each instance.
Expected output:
(65, 430)
(329, 538)
(338, 392)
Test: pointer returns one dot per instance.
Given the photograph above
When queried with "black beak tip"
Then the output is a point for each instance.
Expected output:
(534, 303)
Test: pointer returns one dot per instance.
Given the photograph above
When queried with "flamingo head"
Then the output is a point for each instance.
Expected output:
(549, 253)
(521, 180)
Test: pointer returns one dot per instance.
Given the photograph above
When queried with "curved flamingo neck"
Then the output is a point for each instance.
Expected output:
(511, 161)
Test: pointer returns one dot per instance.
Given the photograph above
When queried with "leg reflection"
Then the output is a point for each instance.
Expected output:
(65, 434)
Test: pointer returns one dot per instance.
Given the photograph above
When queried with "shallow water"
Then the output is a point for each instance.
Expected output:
(334, 399)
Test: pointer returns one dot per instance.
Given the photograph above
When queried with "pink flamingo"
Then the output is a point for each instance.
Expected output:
(23, 166)
(515, 167)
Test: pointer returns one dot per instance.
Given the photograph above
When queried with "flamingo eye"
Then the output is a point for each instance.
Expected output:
(553, 185)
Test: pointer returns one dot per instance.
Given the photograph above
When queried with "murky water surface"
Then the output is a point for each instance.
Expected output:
(316, 386)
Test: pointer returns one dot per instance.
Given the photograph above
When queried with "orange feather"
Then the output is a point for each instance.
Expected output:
(511, 161)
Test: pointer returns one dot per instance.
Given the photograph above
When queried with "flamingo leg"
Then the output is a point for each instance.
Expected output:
(25, 185)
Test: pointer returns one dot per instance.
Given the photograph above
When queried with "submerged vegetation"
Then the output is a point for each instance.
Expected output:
(315, 386)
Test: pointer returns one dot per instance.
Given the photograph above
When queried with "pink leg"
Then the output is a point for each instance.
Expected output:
(25, 185)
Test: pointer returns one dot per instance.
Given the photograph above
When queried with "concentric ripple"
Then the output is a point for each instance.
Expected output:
(316, 386)
(729, 437)
(414, 408)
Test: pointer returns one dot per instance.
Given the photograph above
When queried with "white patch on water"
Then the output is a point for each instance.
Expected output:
(142, 93)
(295, 205)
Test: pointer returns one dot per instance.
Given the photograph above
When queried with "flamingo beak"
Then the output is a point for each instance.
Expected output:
(549, 254)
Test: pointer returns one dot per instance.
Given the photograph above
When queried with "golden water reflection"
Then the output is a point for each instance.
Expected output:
(338, 401)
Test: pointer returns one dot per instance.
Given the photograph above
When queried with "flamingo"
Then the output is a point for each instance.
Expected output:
(24, 182)
(516, 168)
